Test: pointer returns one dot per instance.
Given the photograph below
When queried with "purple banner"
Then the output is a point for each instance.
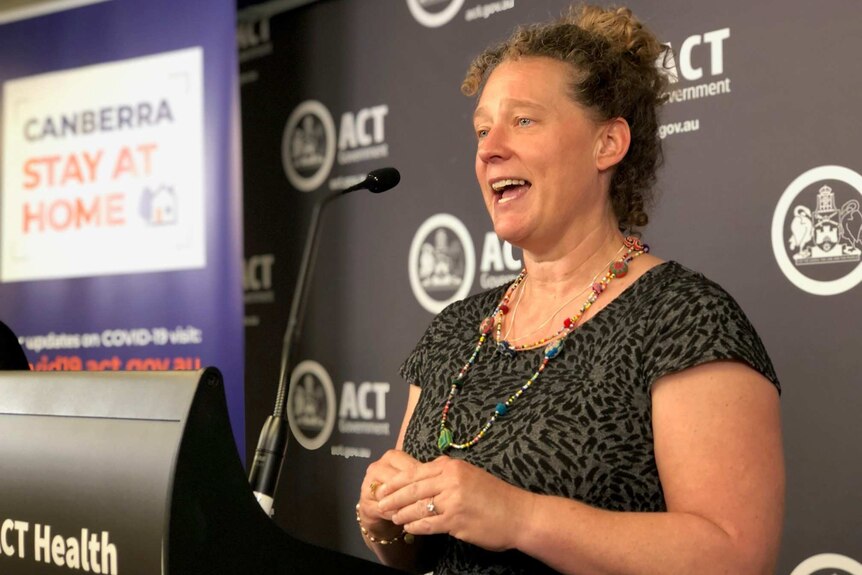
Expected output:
(120, 205)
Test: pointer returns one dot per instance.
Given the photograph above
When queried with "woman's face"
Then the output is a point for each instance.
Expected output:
(536, 156)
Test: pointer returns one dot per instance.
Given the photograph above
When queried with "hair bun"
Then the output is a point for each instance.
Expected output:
(620, 29)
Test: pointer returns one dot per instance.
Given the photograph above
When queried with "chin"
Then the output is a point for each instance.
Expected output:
(511, 234)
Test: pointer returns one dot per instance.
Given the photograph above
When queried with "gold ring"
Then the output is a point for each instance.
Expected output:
(373, 487)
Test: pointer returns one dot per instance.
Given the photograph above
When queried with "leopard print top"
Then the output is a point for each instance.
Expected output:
(584, 429)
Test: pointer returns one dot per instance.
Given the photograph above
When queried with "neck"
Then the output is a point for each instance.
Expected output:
(573, 266)
(544, 293)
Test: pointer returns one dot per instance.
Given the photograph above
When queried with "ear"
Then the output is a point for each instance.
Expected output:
(613, 143)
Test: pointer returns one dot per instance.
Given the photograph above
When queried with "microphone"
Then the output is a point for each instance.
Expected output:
(272, 445)
(377, 181)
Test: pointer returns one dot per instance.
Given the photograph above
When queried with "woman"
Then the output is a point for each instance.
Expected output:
(607, 412)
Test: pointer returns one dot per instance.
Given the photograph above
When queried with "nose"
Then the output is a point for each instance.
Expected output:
(494, 146)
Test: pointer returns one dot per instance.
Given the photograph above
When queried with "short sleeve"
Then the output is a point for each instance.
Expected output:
(416, 365)
(696, 321)
(450, 330)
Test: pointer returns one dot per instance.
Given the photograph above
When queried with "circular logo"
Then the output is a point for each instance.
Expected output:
(311, 405)
(828, 564)
(442, 262)
(434, 18)
(308, 146)
(817, 230)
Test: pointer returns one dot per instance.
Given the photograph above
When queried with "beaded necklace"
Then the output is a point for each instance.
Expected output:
(559, 309)
(553, 345)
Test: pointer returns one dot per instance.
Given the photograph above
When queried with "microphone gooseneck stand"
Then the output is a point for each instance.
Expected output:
(272, 444)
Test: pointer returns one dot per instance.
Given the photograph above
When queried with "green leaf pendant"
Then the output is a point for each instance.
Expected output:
(445, 440)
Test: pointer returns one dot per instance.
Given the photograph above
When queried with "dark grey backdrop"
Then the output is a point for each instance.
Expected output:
(785, 84)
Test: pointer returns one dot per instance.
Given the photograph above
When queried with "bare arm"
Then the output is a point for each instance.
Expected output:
(718, 450)
(401, 555)
(719, 455)
(412, 400)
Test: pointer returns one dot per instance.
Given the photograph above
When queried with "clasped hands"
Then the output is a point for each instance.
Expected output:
(442, 496)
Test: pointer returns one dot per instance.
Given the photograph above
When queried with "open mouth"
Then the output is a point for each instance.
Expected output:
(508, 189)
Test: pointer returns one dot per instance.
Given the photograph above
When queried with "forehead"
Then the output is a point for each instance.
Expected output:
(535, 77)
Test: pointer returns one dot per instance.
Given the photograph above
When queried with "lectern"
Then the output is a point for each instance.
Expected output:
(134, 473)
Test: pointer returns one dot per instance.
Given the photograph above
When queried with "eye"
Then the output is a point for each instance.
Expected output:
(481, 132)
(524, 121)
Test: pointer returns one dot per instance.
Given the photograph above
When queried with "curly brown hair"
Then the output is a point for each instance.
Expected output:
(615, 74)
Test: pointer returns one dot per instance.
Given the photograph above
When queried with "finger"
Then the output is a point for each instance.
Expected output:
(369, 508)
(382, 470)
(399, 459)
(374, 478)
(410, 494)
(411, 475)
(369, 490)
(372, 489)
(425, 508)
(427, 526)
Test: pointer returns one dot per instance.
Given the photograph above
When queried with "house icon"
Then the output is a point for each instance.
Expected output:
(159, 207)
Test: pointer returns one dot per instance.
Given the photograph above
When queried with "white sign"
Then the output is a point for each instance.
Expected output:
(103, 169)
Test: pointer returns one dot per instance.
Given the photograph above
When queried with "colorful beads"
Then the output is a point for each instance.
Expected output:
(494, 322)
(553, 349)
(445, 440)
(619, 268)
(503, 348)
(634, 244)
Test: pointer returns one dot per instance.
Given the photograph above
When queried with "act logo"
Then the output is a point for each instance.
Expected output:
(158, 206)
(498, 264)
(308, 145)
(434, 13)
(361, 136)
(311, 405)
(828, 564)
(699, 69)
(692, 56)
(442, 262)
(817, 230)
(362, 409)
(257, 282)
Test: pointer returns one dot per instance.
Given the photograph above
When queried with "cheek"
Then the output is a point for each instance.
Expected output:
(480, 176)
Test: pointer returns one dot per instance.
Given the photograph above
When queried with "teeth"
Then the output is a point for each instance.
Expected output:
(500, 184)
(504, 200)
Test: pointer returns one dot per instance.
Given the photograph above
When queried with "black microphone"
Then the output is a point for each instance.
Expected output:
(377, 181)
(272, 444)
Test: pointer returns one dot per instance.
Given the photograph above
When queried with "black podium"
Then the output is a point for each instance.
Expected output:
(134, 473)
